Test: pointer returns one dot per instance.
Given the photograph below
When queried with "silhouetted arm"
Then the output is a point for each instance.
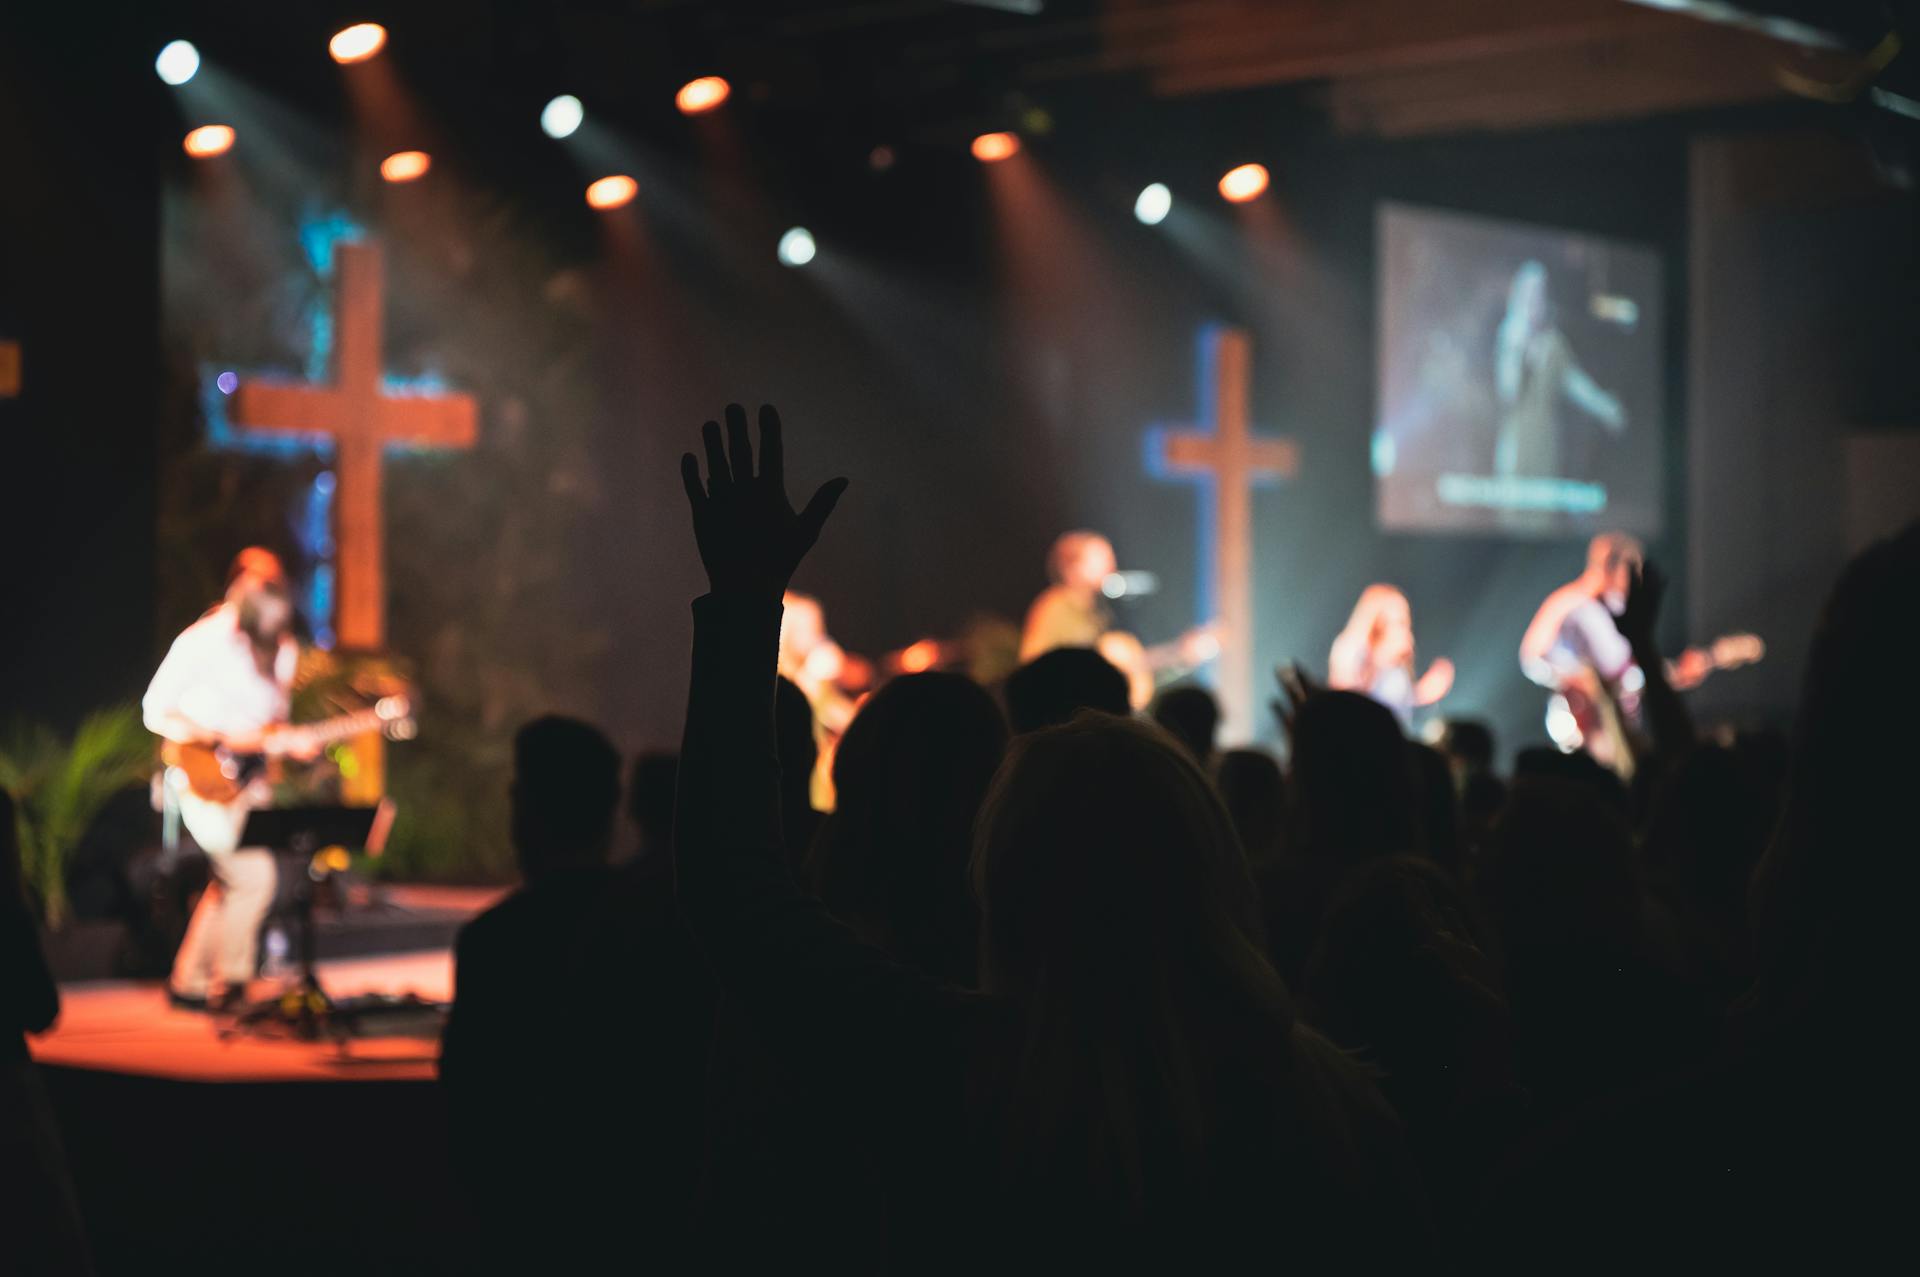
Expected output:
(1668, 720)
(817, 995)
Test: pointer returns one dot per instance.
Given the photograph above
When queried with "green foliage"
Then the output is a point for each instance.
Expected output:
(59, 786)
(487, 606)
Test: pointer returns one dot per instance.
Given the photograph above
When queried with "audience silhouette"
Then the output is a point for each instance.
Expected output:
(1092, 994)
(574, 1055)
(909, 777)
(1053, 687)
(1191, 716)
(1131, 1085)
(40, 1225)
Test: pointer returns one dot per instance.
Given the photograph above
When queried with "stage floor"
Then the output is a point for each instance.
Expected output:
(129, 1027)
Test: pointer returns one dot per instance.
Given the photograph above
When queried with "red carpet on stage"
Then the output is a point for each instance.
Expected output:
(117, 1026)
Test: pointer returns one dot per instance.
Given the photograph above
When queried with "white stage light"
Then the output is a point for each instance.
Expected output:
(796, 247)
(1155, 202)
(178, 62)
(560, 117)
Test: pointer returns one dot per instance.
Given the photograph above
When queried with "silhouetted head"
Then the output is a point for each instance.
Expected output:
(1191, 716)
(1104, 861)
(1352, 780)
(1544, 761)
(1832, 896)
(909, 777)
(1081, 559)
(1468, 745)
(566, 785)
(1557, 869)
(650, 795)
(1255, 792)
(1052, 688)
(1118, 914)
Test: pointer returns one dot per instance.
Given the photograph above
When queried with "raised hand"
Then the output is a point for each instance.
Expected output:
(1636, 619)
(1296, 688)
(750, 537)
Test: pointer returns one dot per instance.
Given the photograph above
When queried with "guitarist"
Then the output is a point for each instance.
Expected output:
(1575, 647)
(226, 681)
(1073, 612)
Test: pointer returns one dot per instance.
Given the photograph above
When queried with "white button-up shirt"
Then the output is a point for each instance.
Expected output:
(210, 677)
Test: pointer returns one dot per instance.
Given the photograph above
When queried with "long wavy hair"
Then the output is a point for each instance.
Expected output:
(1352, 666)
(1120, 918)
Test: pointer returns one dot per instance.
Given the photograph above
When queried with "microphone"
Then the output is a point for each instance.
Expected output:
(1122, 585)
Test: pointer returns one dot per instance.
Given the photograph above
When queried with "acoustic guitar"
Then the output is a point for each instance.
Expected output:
(1147, 668)
(221, 774)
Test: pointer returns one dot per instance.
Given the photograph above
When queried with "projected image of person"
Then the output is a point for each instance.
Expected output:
(1374, 655)
(1534, 368)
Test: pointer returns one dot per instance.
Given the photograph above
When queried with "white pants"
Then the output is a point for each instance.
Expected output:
(221, 946)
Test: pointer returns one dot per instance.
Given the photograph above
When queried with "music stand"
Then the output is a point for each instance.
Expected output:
(304, 1007)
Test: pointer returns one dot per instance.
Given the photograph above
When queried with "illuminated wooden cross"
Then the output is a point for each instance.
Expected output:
(1227, 460)
(361, 422)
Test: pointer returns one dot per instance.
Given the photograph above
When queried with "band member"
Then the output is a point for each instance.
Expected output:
(1574, 648)
(1374, 655)
(226, 682)
(1073, 612)
(832, 679)
(818, 666)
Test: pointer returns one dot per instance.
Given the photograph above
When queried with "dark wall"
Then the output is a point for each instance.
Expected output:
(1806, 293)
(78, 288)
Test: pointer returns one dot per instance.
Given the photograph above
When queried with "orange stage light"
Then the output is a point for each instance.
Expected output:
(989, 147)
(209, 140)
(701, 95)
(612, 192)
(357, 43)
(404, 166)
(1244, 183)
(919, 658)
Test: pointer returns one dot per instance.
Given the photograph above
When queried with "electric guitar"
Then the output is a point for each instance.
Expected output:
(1580, 712)
(220, 774)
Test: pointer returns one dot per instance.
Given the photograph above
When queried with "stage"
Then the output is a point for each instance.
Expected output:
(191, 1148)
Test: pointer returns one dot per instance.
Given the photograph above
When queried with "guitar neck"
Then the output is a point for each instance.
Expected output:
(328, 730)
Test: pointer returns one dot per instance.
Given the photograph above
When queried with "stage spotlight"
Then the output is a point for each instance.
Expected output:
(704, 94)
(1244, 183)
(612, 192)
(920, 657)
(989, 147)
(209, 140)
(178, 62)
(357, 43)
(1153, 205)
(796, 247)
(405, 166)
(560, 117)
